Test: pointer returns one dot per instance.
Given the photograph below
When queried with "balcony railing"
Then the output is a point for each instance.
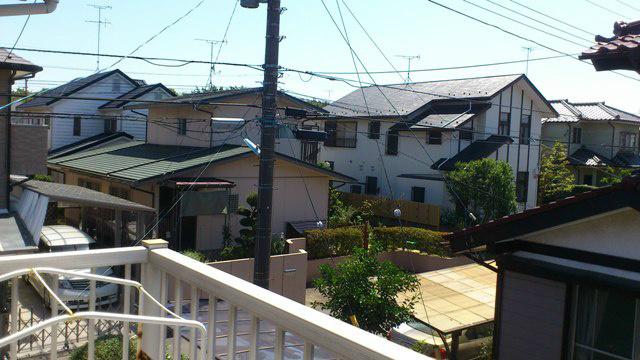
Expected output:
(239, 317)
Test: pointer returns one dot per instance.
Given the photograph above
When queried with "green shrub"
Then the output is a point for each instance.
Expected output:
(392, 238)
(195, 255)
(326, 243)
(107, 348)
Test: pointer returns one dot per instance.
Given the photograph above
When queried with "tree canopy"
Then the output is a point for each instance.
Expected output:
(483, 187)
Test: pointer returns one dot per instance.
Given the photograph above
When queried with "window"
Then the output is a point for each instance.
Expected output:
(604, 324)
(110, 125)
(434, 137)
(628, 140)
(309, 151)
(120, 192)
(47, 120)
(522, 186)
(587, 179)
(466, 135)
(182, 126)
(417, 194)
(504, 124)
(576, 135)
(392, 143)
(371, 185)
(341, 134)
(374, 130)
(525, 129)
(89, 184)
(356, 189)
(77, 126)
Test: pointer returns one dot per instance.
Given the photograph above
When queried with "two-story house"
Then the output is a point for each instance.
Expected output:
(596, 136)
(399, 140)
(80, 109)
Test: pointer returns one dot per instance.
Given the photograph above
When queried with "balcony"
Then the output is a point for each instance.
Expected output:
(163, 293)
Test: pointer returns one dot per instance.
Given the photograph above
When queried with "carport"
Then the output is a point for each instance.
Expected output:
(456, 299)
(111, 220)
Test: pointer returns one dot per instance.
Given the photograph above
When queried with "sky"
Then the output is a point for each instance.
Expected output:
(311, 42)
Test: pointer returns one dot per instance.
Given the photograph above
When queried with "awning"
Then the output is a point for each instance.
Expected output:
(79, 195)
(475, 151)
(206, 182)
(15, 236)
(456, 298)
(297, 228)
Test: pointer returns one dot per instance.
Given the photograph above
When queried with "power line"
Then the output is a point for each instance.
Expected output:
(552, 18)
(607, 9)
(226, 30)
(24, 26)
(628, 5)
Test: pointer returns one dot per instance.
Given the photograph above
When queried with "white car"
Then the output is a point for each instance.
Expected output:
(74, 291)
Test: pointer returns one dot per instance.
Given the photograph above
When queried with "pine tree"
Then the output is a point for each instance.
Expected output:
(556, 179)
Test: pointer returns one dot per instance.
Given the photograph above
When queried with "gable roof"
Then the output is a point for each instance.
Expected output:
(136, 93)
(208, 97)
(475, 151)
(407, 99)
(573, 112)
(139, 162)
(621, 51)
(574, 208)
(445, 115)
(23, 67)
(72, 87)
(88, 143)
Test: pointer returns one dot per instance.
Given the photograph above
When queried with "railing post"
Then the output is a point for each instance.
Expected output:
(91, 324)
(14, 316)
(54, 312)
(151, 281)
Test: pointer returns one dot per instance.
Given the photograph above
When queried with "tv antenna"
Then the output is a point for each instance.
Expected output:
(100, 23)
(212, 69)
(528, 49)
(409, 58)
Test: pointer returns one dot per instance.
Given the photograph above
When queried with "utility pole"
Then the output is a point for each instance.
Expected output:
(212, 69)
(528, 49)
(267, 142)
(409, 58)
(99, 22)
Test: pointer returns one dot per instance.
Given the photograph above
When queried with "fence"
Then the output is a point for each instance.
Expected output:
(415, 212)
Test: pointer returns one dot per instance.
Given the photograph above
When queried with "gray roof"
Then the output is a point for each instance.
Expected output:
(407, 98)
(138, 162)
(72, 87)
(90, 142)
(82, 196)
(587, 157)
(23, 67)
(574, 112)
(136, 93)
(15, 236)
(475, 151)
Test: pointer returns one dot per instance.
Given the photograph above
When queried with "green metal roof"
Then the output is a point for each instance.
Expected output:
(138, 161)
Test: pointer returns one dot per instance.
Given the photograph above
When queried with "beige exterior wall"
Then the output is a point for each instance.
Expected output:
(29, 149)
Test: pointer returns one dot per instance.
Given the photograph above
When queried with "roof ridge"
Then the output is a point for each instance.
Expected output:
(572, 109)
(445, 80)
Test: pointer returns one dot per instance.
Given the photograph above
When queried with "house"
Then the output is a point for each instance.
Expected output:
(596, 136)
(196, 190)
(398, 140)
(618, 52)
(86, 113)
(208, 119)
(568, 275)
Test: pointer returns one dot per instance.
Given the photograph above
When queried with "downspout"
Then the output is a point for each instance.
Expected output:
(613, 136)
(47, 7)
(210, 113)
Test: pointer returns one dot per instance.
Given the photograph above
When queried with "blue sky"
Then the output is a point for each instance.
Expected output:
(404, 27)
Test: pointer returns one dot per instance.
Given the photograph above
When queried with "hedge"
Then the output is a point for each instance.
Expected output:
(393, 238)
(324, 243)
(107, 348)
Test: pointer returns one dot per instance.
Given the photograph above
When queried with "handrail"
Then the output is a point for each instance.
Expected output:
(344, 340)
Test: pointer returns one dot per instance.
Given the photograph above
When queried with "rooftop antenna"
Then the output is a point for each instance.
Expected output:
(409, 58)
(99, 22)
(528, 49)
(212, 69)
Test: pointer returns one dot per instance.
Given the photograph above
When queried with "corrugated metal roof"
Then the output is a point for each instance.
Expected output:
(590, 111)
(403, 99)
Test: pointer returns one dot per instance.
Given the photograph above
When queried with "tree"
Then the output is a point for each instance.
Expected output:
(212, 89)
(614, 175)
(367, 289)
(483, 187)
(556, 179)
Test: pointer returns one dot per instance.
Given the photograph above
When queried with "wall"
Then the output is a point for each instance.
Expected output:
(5, 88)
(531, 318)
(29, 149)
(62, 127)
(369, 156)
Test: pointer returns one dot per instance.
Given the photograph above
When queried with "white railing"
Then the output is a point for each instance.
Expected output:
(241, 318)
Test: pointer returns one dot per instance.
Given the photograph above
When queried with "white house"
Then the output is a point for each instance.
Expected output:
(397, 140)
(72, 120)
(596, 136)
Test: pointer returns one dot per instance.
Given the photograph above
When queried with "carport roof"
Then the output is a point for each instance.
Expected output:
(456, 298)
(80, 195)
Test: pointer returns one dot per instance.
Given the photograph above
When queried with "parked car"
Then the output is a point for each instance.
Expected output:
(74, 291)
(472, 340)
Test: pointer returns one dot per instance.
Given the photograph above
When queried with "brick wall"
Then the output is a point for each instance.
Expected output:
(28, 149)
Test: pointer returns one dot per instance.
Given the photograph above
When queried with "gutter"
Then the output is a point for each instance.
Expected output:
(47, 7)
(613, 137)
